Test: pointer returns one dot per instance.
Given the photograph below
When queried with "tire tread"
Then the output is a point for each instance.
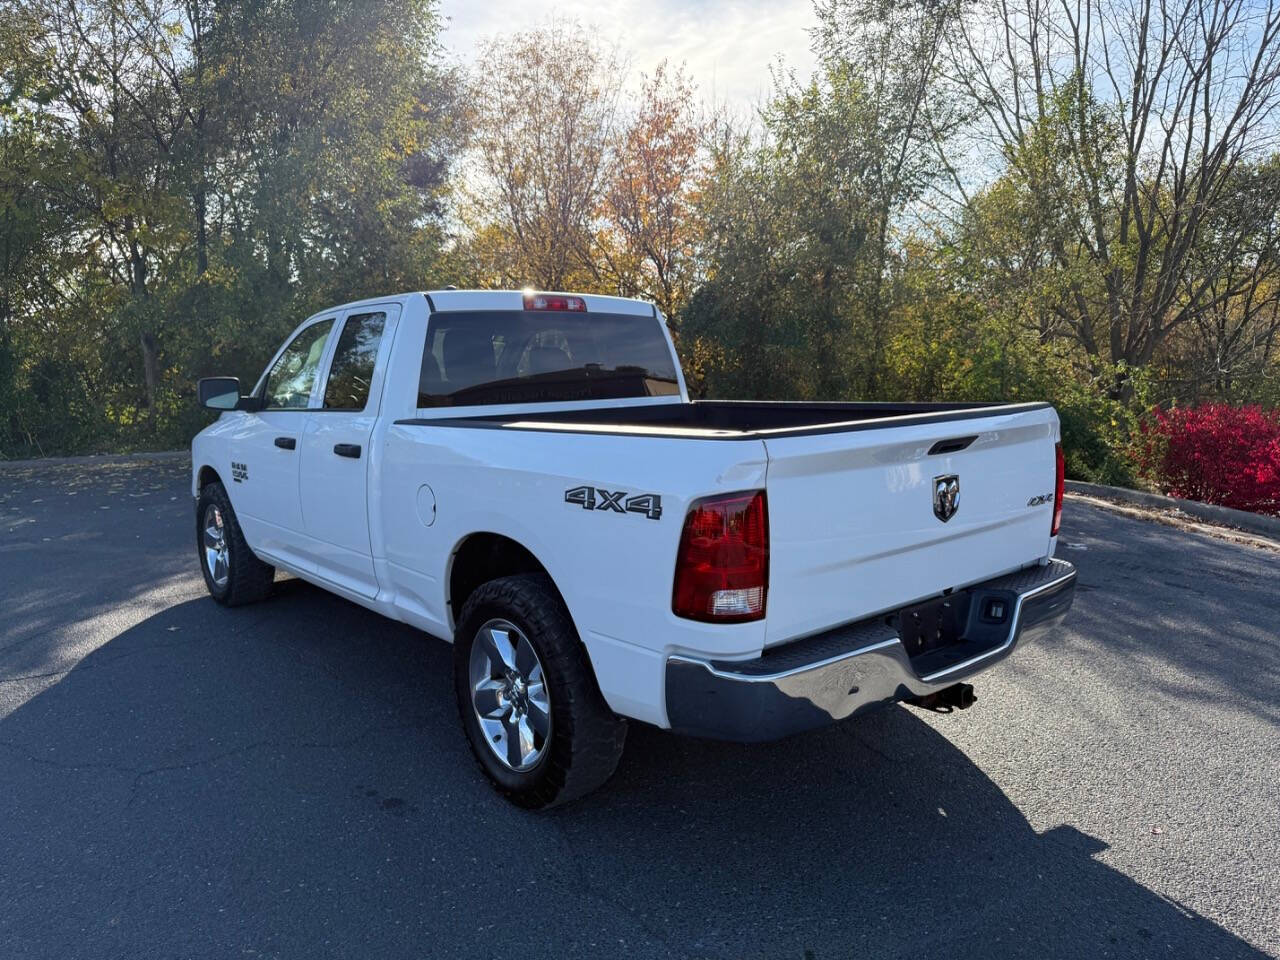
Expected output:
(250, 579)
(584, 756)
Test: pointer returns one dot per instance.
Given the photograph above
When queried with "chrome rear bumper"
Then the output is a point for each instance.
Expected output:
(831, 676)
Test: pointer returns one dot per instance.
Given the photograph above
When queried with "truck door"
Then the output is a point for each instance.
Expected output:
(335, 459)
(264, 475)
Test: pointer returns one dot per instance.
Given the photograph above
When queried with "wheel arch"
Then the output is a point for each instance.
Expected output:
(205, 476)
(483, 556)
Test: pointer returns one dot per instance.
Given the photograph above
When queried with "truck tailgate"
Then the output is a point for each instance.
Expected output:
(853, 529)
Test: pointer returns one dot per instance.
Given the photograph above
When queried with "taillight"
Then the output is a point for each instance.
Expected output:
(722, 567)
(554, 301)
(1060, 488)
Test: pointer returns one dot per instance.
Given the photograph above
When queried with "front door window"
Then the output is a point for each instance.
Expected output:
(290, 381)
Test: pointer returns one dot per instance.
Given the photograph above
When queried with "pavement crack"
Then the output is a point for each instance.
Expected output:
(92, 662)
(36, 676)
(245, 749)
(25, 754)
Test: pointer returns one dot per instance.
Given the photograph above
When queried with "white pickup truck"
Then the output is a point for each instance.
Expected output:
(524, 473)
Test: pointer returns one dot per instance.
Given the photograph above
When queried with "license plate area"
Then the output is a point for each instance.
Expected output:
(940, 633)
(934, 624)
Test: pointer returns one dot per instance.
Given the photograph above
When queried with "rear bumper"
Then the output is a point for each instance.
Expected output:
(834, 675)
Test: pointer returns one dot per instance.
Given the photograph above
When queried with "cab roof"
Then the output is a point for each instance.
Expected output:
(451, 300)
(448, 300)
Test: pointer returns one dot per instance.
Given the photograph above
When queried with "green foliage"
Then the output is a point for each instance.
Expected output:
(181, 191)
(182, 182)
(1097, 432)
(791, 247)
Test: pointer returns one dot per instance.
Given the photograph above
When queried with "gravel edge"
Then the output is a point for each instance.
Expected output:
(1268, 527)
(97, 458)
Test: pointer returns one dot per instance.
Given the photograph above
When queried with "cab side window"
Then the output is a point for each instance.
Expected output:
(290, 381)
(353, 361)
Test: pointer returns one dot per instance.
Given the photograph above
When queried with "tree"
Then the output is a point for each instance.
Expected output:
(545, 110)
(652, 194)
(89, 72)
(786, 220)
(1234, 338)
(892, 51)
(39, 365)
(227, 168)
(807, 232)
(1128, 120)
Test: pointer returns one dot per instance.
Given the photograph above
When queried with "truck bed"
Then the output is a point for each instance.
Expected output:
(857, 526)
(741, 419)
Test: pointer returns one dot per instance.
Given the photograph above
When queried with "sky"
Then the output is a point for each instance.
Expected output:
(727, 46)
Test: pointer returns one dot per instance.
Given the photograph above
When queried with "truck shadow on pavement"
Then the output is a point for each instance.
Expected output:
(290, 779)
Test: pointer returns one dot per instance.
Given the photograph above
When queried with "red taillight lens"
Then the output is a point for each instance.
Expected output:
(554, 301)
(1060, 488)
(722, 568)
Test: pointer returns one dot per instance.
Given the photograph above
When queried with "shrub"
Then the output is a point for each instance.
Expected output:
(1094, 439)
(1214, 453)
(1097, 429)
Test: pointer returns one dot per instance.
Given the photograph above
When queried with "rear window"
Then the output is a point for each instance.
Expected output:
(527, 356)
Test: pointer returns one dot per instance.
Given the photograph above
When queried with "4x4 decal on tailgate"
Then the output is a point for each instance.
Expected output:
(597, 498)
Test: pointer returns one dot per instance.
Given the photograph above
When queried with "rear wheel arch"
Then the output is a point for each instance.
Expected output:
(484, 556)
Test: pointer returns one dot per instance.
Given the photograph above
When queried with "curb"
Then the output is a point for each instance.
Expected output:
(1210, 513)
(97, 458)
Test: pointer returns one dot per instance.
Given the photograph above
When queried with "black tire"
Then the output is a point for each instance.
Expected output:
(586, 737)
(248, 578)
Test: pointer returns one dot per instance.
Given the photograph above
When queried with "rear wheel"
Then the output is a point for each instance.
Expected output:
(527, 697)
(233, 574)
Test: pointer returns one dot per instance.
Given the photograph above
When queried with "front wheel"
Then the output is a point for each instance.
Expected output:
(233, 574)
(527, 697)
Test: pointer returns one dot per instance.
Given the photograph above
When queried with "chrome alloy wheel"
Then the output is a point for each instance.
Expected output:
(509, 695)
(217, 556)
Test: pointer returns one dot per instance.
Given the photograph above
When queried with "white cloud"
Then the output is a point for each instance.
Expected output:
(727, 46)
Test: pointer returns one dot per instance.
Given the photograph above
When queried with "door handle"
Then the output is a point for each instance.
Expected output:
(286, 443)
(347, 450)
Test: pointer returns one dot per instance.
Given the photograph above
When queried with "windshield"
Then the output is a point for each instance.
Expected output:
(527, 356)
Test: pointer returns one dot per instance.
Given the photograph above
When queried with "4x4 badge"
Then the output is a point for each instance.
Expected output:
(617, 501)
(946, 496)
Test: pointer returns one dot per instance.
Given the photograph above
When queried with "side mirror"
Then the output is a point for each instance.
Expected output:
(223, 393)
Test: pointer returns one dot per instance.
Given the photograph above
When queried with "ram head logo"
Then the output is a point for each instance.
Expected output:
(946, 496)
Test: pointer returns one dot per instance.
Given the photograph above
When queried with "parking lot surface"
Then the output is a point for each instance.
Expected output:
(289, 779)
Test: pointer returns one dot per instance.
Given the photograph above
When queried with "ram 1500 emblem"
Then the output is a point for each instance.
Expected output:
(597, 498)
(946, 496)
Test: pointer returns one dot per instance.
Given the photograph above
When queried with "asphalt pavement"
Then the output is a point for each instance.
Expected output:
(289, 779)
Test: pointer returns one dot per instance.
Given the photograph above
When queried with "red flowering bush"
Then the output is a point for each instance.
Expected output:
(1215, 454)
